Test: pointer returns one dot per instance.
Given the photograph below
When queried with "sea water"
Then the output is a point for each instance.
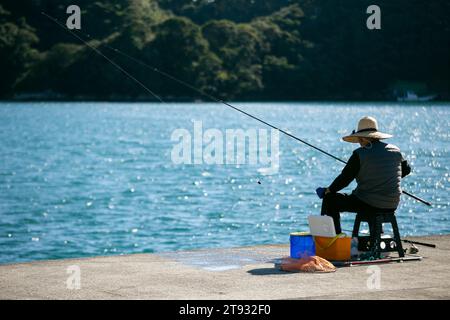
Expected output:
(87, 179)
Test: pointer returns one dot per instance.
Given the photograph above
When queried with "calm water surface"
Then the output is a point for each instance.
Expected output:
(85, 179)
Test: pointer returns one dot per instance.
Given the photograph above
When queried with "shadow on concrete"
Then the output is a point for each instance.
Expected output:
(266, 272)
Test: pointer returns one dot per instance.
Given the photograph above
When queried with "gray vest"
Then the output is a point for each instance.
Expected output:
(379, 175)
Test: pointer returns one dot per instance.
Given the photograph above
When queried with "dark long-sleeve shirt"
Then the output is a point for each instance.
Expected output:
(351, 170)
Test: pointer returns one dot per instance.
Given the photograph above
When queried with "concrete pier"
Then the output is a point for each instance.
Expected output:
(238, 273)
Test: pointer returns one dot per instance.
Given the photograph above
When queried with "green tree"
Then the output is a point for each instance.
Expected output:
(239, 46)
(16, 51)
(202, 11)
(180, 49)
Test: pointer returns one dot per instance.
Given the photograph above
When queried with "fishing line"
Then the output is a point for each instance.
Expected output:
(188, 85)
(139, 62)
(101, 54)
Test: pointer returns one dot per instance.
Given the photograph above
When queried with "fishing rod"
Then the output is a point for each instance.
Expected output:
(378, 261)
(420, 243)
(203, 93)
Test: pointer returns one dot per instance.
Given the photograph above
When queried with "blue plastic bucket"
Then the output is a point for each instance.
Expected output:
(302, 245)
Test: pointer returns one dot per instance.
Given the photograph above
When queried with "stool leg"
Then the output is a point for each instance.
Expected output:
(356, 226)
(372, 222)
(397, 239)
(376, 237)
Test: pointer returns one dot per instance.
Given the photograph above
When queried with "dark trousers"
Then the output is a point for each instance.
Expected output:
(335, 203)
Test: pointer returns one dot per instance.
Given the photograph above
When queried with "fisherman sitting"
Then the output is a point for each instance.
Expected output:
(377, 167)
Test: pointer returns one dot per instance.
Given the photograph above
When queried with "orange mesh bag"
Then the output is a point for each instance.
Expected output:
(306, 264)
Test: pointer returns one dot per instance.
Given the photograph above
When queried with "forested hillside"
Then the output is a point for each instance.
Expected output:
(233, 49)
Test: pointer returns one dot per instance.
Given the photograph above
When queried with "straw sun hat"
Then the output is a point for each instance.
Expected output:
(367, 128)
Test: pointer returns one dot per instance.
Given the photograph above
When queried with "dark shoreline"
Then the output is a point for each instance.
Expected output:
(197, 100)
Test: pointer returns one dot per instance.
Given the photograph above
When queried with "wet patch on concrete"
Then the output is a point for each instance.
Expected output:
(228, 259)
